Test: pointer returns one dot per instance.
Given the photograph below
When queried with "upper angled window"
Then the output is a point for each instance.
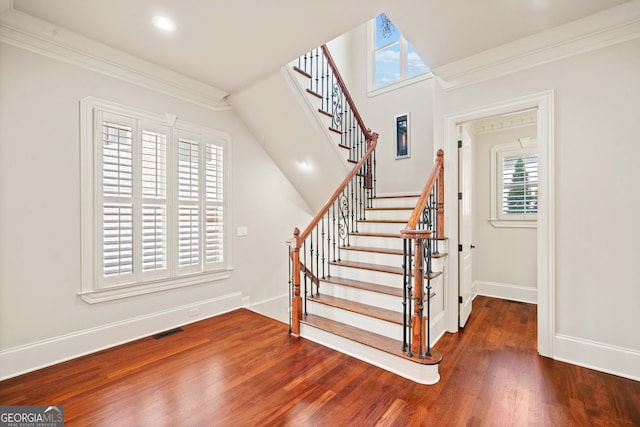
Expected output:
(515, 184)
(394, 60)
(154, 202)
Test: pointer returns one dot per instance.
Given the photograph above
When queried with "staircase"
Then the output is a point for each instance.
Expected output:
(357, 285)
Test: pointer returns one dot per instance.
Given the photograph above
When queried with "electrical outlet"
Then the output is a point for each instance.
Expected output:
(194, 312)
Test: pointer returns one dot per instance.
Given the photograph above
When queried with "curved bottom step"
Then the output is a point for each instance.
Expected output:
(384, 352)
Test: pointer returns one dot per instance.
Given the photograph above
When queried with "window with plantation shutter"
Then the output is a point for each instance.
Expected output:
(154, 202)
(514, 189)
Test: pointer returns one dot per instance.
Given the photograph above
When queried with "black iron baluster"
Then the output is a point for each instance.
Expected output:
(306, 293)
(429, 297)
(324, 240)
(408, 323)
(404, 295)
(317, 261)
(335, 235)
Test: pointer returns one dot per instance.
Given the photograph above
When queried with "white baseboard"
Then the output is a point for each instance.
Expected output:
(506, 291)
(19, 360)
(276, 308)
(619, 361)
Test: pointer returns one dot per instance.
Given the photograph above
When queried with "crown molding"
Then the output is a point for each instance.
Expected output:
(612, 26)
(27, 32)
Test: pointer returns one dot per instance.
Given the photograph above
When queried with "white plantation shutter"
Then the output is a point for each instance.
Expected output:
(189, 203)
(214, 182)
(514, 184)
(153, 202)
(520, 184)
(117, 191)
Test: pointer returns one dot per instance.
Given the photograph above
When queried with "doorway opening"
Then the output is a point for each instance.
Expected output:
(542, 105)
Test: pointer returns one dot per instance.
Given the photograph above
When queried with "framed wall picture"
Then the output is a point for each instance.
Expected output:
(402, 136)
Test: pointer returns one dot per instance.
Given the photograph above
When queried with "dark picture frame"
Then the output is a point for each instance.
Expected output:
(403, 147)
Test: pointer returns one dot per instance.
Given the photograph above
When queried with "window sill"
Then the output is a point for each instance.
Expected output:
(126, 291)
(398, 85)
(510, 223)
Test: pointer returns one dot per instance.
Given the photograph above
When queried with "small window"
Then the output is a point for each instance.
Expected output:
(394, 60)
(514, 184)
(153, 202)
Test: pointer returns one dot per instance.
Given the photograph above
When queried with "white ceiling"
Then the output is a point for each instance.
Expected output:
(232, 44)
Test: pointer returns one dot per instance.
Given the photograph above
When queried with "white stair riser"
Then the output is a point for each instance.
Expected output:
(388, 214)
(392, 202)
(391, 330)
(378, 242)
(423, 374)
(376, 299)
(371, 257)
(378, 277)
(379, 227)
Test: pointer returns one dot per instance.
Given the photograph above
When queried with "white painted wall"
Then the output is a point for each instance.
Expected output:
(503, 257)
(40, 270)
(597, 105)
(394, 175)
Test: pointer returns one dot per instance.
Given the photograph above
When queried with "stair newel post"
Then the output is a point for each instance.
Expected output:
(418, 320)
(440, 196)
(296, 300)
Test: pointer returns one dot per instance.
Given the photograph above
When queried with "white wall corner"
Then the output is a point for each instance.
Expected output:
(19, 360)
(276, 308)
(608, 27)
(41, 37)
(506, 291)
(614, 360)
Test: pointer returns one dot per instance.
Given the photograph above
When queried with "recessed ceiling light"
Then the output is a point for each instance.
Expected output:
(164, 23)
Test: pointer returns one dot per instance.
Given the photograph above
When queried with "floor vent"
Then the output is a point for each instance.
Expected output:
(167, 333)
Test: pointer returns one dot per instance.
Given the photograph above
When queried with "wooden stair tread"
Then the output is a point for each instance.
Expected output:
(326, 113)
(385, 250)
(301, 71)
(358, 307)
(377, 234)
(395, 196)
(370, 339)
(316, 94)
(383, 221)
(392, 208)
(367, 266)
(372, 249)
(377, 267)
(358, 284)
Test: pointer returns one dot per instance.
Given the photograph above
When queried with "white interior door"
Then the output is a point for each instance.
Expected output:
(465, 257)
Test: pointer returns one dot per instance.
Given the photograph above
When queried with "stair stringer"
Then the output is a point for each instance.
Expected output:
(310, 105)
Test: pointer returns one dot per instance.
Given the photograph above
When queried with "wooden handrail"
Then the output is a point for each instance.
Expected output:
(372, 141)
(345, 91)
(436, 173)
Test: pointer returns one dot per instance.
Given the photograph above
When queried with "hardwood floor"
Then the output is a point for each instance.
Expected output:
(242, 369)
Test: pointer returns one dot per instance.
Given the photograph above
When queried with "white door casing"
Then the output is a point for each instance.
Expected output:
(546, 224)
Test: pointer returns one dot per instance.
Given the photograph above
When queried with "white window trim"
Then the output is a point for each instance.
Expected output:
(92, 290)
(371, 78)
(523, 146)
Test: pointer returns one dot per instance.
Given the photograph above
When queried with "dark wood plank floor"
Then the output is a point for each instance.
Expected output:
(242, 369)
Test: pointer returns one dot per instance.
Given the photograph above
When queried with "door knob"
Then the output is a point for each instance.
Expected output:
(473, 247)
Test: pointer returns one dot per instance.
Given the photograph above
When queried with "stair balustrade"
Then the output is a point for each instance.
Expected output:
(312, 250)
(326, 83)
(421, 235)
